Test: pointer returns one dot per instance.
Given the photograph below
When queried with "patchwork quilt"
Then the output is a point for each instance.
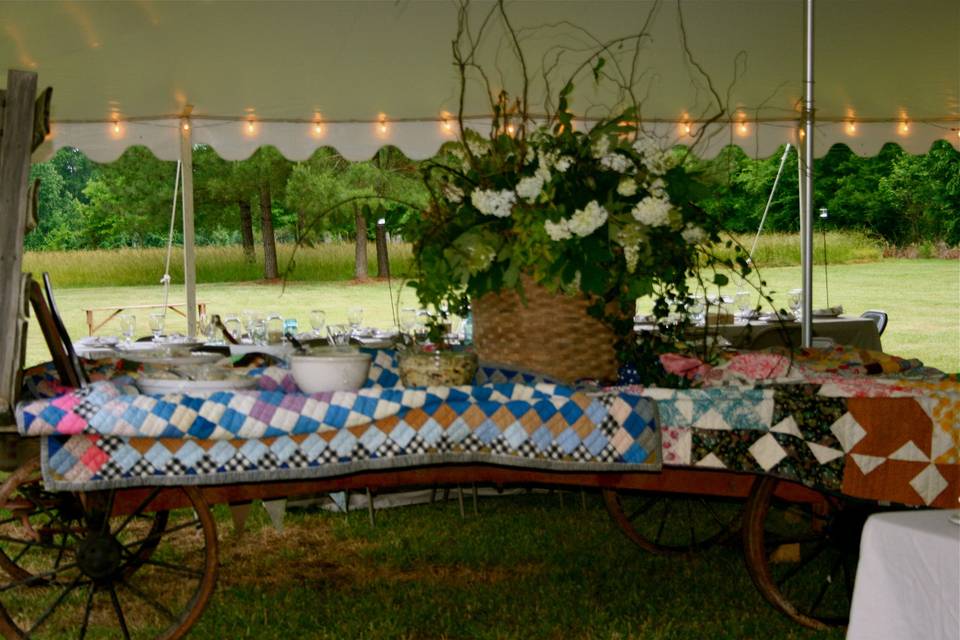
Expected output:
(111, 435)
(834, 427)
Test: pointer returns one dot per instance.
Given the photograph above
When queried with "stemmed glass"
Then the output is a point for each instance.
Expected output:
(128, 325)
(249, 319)
(355, 318)
(156, 325)
(339, 334)
(743, 299)
(697, 308)
(318, 320)
(408, 321)
(274, 328)
(794, 298)
(232, 324)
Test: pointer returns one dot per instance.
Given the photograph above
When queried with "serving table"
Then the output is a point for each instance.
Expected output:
(908, 579)
(804, 441)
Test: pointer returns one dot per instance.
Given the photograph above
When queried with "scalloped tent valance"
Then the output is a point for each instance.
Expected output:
(359, 75)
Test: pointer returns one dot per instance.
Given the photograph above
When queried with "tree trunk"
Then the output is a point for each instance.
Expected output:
(303, 237)
(383, 259)
(360, 262)
(270, 270)
(246, 229)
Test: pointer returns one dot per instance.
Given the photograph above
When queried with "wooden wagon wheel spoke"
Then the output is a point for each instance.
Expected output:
(121, 620)
(796, 552)
(87, 608)
(139, 510)
(55, 605)
(672, 524)
(35, 578)
(150, 601)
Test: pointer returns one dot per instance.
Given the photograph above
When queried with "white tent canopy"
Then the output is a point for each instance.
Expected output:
(358, 75)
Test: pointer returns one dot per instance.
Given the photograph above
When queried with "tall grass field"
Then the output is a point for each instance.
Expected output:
(334, 261)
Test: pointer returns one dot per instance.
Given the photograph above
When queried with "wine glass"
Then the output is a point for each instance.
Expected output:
(274, 328)
(339, 334)
(128, 325)
(743, 300)
(156, 325)
(318, 320)
(408, 320)
(697, 308)
(249, 318)
(232, 324)
(259, 332)
(355, 318)
(794, 298)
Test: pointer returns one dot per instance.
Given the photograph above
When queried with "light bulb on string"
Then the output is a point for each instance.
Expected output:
(851, 128)
(445, 122)
(511, 130)
(904, 127)
(382, 124)
(742, 127)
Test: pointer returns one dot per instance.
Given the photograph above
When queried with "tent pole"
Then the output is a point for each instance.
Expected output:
(806, 221)
(189, 262)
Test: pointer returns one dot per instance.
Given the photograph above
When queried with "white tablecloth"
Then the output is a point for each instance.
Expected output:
(908, 579)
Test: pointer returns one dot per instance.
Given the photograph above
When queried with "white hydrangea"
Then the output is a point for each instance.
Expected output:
(693, 234)
(563, 163)
(631, 255)
(657, 188)
(493, 203)
(653, 212)
(477, 146)
(587, 220)
(646, 147)
(529, 188)
(627, 187)
(453, 193)
(629, 237)
(616, 162)
(558, 230)
(530, 156)
(479, 257)
(601, 147)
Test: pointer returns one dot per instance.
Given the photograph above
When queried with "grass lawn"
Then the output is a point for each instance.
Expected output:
(525, 567)
(922, 298)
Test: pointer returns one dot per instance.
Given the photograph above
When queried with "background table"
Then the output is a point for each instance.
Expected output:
(908, 579)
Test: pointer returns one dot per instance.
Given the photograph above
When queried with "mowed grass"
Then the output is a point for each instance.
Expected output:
(526, 566)
(922, 298)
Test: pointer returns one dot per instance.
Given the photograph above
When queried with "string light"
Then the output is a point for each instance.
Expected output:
(851, 128)
(803, 133)
(382, 125)
(904, 127)
(685, 127)
(251, 127)
(186, 126)
(742, 127)
(510, 130)
(116, 127)
(445, 122)
(116, 130)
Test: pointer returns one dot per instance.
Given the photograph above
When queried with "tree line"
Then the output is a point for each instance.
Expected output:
(266, 199)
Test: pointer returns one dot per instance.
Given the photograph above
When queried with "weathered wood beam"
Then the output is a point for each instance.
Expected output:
(16, 145)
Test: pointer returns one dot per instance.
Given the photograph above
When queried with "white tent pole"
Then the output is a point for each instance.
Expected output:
(806, 221)
(189, 262)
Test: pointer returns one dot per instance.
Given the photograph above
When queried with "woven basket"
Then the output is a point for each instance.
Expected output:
(552, 334)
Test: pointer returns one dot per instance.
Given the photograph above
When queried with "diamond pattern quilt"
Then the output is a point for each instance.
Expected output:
(110, 435)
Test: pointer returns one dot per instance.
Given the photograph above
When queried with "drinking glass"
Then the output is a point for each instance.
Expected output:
(318, 321)
(274, 328)
(249, 318)
(408, 320)
(156, 325)
(355, 318)
(697, 308)
(259, 332)
(232, 324)
(339, 334)
(128, 325)
(743, 300)
(794, 298)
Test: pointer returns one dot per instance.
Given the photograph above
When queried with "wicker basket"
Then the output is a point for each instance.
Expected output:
(552, 334)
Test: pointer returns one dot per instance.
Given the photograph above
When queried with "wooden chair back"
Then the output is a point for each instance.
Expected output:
(61, 358)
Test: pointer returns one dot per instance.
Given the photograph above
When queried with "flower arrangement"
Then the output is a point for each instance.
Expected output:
(604, 213)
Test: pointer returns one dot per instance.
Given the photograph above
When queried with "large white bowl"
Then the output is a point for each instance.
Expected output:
(345, 371)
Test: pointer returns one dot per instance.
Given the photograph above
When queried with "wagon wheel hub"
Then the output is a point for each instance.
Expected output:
(100, 557)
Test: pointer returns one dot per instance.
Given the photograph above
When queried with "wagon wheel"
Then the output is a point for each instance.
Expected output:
(109, 575)
(38, 517)
(671, 524)
(802, 556)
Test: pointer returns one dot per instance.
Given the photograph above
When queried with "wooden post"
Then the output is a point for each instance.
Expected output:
(383, 258)
(16, 138)
(189, 250)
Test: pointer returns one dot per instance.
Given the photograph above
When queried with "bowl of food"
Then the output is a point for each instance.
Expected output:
(330, 370)
(438, 367)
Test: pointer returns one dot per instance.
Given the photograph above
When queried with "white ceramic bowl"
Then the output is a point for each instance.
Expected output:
(330, 371)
